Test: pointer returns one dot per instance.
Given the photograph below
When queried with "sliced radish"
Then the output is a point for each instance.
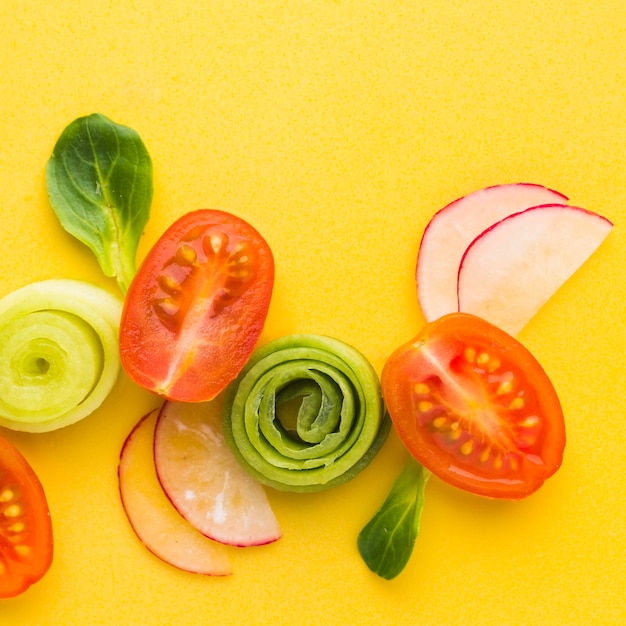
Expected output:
(205, 482)
(454, 227)
(153, 518)
(511, 269)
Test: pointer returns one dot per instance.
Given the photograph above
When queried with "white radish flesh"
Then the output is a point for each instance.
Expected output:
(511, 269)
(454, 227)
(205, 482)
(153, 518)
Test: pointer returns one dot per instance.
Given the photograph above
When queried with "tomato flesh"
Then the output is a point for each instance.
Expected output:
(197, 306)
(26, 543)
(475, 407)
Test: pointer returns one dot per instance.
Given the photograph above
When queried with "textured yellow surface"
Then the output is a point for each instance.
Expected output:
(337, 128)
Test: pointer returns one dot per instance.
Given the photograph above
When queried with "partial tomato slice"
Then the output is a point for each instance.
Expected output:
(205, 482)
(197, 306)
(475, 407)
(155, 521)
(454, 227)
(26, 543)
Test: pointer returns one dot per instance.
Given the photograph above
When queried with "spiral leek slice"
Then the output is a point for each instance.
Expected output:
(305, 413)
(58, 353)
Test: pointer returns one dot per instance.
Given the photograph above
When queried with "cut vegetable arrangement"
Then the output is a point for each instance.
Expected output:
(153, 518)
(453, 228)
(502, 252)
(313, 410)
(468, 400)
(302, 413)
(184, 493)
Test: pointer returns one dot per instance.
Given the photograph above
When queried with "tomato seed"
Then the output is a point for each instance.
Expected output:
(23, 550)
(186, 255)
(14, 510)
(421, 389)
(17, 528)
(494, 364)
(470, 354)
(467, 447)
(505, 387)
(482, 358)
(215, 243)
(530, 422)
(168, 285)
(241, 273)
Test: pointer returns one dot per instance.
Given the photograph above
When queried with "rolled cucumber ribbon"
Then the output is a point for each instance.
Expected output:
(305, 414)
(59, 355)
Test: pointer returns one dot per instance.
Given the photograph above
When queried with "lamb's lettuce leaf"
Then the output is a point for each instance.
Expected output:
(99, 181)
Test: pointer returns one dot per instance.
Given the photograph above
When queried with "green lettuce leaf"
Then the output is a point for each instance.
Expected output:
(99, 181)
(386, 542)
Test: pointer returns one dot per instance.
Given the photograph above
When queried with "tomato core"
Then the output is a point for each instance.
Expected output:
(207, 271)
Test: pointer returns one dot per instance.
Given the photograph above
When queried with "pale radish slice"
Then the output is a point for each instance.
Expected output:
(510, 270)
(153, 518)
(205, 482)
(454, 227)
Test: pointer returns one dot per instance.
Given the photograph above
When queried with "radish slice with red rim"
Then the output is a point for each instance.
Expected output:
(153, 518)
(454, 227)
(512, 269)
(203, 479)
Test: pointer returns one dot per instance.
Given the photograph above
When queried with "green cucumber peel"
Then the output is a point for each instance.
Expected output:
(99, 181)
(305, 413)
(59, 356)
(387, 540)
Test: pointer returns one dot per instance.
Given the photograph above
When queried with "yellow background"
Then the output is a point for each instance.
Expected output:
(337, 128)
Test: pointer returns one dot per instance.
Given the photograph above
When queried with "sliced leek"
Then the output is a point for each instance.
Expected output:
(58, 353)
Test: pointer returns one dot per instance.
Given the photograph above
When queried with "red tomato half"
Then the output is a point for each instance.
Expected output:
(475, 408)
(197, 306)
(25, 526)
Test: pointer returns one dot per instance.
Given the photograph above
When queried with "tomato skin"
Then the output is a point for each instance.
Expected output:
(474, 406)
(26, 541)
(197, 306)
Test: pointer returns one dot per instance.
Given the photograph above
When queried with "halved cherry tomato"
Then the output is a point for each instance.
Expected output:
(197, 306)
(475, 407)
(25, 526)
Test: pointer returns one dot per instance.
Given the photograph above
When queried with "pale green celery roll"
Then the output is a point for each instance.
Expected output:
(59, 355)
(306, 413)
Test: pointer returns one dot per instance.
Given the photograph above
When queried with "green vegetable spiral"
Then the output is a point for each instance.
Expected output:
(305, 414)
(58, 353)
